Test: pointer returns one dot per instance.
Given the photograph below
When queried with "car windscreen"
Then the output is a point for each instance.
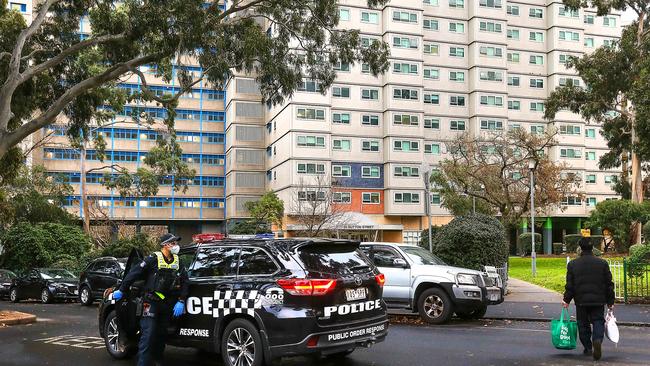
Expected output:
(422, 256)
(55, 274)
(342, 259)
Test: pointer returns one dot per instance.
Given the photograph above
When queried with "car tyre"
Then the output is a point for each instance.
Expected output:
(241, 344)
(46, 296)
(477, 313)
(434, 306)
(85, 296)
(112, 341)
(13, 295)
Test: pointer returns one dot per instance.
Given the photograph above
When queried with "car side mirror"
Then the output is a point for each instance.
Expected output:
(399, 262)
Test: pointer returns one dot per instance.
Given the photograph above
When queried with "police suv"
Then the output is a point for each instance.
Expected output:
(257, 300)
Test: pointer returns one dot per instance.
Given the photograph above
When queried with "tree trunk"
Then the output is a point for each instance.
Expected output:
(84, 197)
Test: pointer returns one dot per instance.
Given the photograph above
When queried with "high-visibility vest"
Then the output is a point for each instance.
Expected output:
(162, 264)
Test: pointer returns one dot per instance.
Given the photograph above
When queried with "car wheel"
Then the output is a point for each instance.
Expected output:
(477, 313)
(114, 345)
(434, 306)
(241, 344)
(13, 295)
(46, 296)
(85, 296)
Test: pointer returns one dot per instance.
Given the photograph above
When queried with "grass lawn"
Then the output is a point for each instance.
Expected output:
(551, 271)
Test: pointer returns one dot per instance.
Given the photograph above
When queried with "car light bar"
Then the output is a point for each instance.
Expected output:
(307, 287)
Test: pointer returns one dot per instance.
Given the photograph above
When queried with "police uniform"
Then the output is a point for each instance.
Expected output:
(165, 284)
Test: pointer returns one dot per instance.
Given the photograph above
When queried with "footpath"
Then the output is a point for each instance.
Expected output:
(528, 302)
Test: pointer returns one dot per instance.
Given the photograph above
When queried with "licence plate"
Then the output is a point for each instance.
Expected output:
(494, 296)
(355, 294)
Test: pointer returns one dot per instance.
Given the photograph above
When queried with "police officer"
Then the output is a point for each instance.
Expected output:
(163, 278)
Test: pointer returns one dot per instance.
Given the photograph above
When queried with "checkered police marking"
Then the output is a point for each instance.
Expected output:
(225, 302)
(69, 340)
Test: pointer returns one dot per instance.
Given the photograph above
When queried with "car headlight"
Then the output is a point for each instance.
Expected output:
(466, 279)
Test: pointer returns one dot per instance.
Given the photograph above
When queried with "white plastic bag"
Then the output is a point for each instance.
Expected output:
(611, 329)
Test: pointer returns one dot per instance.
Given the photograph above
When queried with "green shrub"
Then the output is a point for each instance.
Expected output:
(639, 258)
(472, 241)
(558, 248)
(571, 242)
(122, 247)
(646, 232)
(424, 237)
(597, 252)
(523, 243)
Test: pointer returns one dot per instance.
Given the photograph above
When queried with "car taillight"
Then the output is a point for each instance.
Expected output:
(380, 278)
(307, 287)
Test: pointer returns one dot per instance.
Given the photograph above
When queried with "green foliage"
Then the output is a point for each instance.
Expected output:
(571, 242)
(40, 245)
(524, 241)
(269, 209)
(617, 216)
(248, 227)
(424, 237)
(557, 248)
(638, 260)
(646, 232)
(472, 241)
(122, 247)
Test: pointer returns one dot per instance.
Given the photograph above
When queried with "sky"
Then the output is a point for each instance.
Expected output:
(628, 16)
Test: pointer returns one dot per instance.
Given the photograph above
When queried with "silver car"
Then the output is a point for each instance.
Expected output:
(420, 281)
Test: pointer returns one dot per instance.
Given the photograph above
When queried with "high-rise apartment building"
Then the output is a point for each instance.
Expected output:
(456, 66)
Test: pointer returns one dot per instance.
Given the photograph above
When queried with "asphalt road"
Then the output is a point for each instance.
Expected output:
(66, 334)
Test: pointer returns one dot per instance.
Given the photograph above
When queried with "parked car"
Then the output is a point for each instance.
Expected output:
(48, 284)
(256, 300)
(99, 275)
(420, 281)
(6, 276)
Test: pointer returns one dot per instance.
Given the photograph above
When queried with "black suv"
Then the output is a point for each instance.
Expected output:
(257, 300)
(99, 275)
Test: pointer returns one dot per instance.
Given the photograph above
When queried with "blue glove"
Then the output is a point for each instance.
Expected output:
(117, 295)
(179, 309)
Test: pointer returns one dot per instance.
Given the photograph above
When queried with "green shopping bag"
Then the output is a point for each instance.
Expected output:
(564, 331)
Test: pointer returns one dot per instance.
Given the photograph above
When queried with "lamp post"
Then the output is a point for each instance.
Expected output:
(426, 170)
(531, 165)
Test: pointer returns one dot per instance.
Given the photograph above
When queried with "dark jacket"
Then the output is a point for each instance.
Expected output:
(589, 281)
(146, 270)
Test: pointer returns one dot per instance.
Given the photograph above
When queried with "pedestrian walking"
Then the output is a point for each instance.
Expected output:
(589, 284)
(165, 293)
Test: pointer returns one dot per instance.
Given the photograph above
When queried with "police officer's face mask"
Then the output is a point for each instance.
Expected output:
(175, 249)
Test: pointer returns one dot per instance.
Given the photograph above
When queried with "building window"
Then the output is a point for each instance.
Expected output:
(590, 178)
(407, 94)
(512, 10)
(341, 91)
(344, 14)
(310, 86)
(609, 22)
(590, 155)
(434, 198)
(491, 51)
(495, 4)
(537, 130)
(457, 76)
(404, 68)
(370, 197)
(536, 13)
(405, 42)
(536, 36)
(433, 74)
(370, 145)
(537, 83)
(589, 42)
(572, 201)
(341, 197)
(405, 16)
(590, 133)
(491, 75)
(537, 106)
(370, 172)
(341, 145)
(370, 120)
(368, 17)
(311, 113)
(492, 100)
(406, 197)
(370, 94)
(514, 105)
(492, 125)
(406, 145)
(610, 179)
(311, 195)
(456, 100)
(311, 141)
(341, 118)
(456, 52)
(513, 81)
(432, 123)
(411, 237)
(19, 7)
(433, 149)
(569, 82)
(564, 58)
(566, 12)
(513, 57)
(431, 49)
(365, 68)
(430, 24)
(570, 153)
(588, 19)
(432, 99)
(457, 4)
(406, 171)
(456, 27)
(457, 125)
(430, 2)
(311, 168)
(343, 171)
(570, 130)
(406, 120)
(512, 34)
(591, 201)
(569, 36)
(341, 66)
(536, 60)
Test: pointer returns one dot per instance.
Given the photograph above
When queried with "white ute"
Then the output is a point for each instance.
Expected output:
(420, 281)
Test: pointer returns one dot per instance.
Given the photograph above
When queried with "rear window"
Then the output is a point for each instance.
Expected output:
(333, 258)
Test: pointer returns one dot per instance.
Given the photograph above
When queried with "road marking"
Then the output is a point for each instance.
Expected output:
(69, 340)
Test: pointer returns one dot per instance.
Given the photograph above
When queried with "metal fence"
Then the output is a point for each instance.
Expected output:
(631, 280)
(618, 271)
(503, 272)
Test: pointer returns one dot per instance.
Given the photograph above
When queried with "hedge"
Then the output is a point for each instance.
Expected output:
(523, 243)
